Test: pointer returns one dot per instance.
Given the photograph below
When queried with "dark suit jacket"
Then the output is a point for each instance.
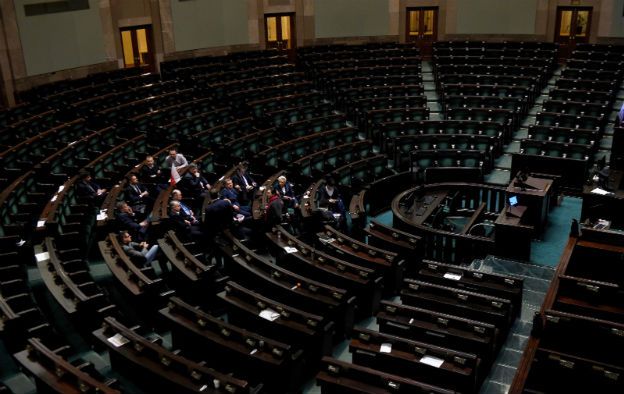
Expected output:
(337, 206)
(289, 192)
(243, 195)
(193, 185)
(87, 189)
(133, 197)
(127, 222)
(231, 195)
(150, 175)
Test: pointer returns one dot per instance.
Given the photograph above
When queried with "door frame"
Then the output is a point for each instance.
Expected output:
(424, 45)
(149, 35)
(567, 46)
(293, 28)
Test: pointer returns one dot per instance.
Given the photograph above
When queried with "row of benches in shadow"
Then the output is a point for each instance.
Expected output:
(577, 336)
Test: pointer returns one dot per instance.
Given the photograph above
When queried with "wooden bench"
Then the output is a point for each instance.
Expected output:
(259, 358)
(160, 367)
(364, 283)
(439, 329)
(301, 329)
(55, 373)
(341, 377)
(405, 357)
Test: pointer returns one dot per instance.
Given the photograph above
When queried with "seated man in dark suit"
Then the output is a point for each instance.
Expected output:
(244, 184)
(127, 220)
(231, 194)
(137, 196)
(90, 191)
(194, 185)
(152, 176)
(140, 253)
(181, 223)
(176, 195)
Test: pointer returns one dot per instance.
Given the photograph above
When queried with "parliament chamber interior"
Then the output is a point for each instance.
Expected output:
(312, 196)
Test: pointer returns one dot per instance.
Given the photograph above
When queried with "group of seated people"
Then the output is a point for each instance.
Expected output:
(230, 208)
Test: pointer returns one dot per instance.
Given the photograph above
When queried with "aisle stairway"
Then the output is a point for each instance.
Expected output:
(536, 282)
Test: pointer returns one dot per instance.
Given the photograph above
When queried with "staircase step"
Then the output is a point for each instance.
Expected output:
(502, 373)
(508, 357)
(516, 342)
(492, 387)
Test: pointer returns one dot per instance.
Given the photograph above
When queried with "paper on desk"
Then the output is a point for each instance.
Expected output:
(41, 223)
(42, 256)
(433, 361)
(102, 216)
(600, 191)
(290, 249)
(118, 340)
(452, 275)
(269, 314)
(385, 348)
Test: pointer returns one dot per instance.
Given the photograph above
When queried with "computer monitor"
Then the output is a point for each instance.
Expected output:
(513, 200)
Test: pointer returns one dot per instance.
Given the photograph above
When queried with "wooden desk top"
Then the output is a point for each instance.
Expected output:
(535, 186)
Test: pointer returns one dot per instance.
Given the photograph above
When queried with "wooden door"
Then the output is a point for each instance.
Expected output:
(421, 28)
(137, 47)
(280, 31)
(572, 27)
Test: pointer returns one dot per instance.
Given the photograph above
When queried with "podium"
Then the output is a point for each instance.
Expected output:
(534, 193)
(513, 235)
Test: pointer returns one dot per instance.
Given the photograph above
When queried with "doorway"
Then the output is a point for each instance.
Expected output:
(280, 32)
(572, 27)
(421, 28)
(136, 42)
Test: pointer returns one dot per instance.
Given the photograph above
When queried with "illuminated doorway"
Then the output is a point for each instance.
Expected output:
(280, 31)
(422, 28)
(137, 47)
(572, 27)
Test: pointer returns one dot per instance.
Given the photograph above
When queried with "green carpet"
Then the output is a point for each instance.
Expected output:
(547, 251)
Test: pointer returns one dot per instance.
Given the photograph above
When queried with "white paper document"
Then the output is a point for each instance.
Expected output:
(118, 340)
(452, 276)
(600, 191)
(269, 314)
(433, 361)
(290, 249)
(42, 256)
(385, 348)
